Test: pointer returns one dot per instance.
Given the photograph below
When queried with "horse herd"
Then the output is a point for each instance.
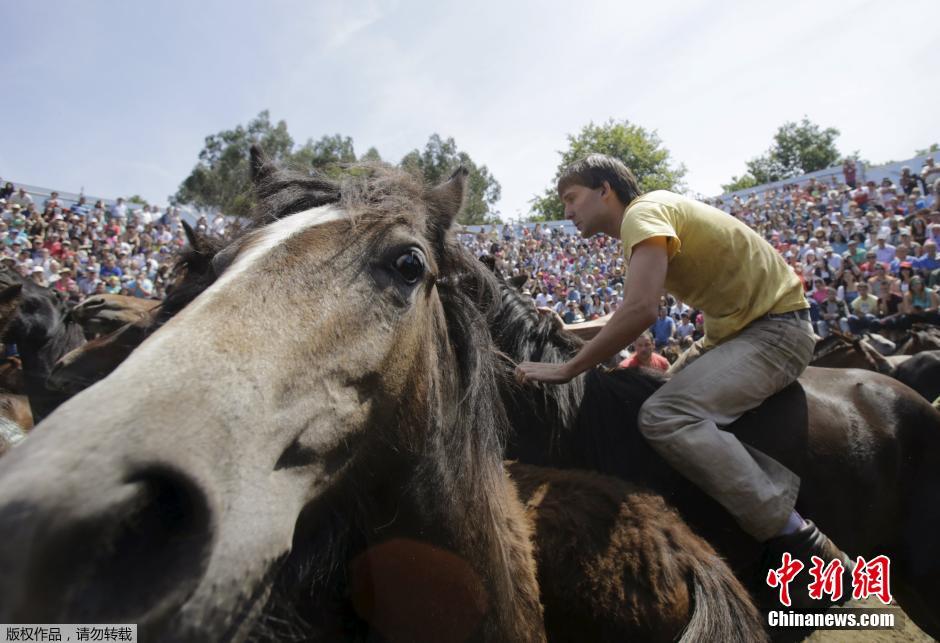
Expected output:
(317, 435)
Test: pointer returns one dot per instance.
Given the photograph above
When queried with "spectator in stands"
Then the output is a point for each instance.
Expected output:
(644, 356)
(849, 170)
(920, 299)
(930, 172)
(119, 211)
(832, 314)
(910, 181)
(663, 328)
(864, 309)
(22, 199)
(7, 191)
(884, 252)
(685, 328)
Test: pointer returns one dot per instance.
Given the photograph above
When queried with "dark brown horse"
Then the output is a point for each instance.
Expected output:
(43, 332)
(866, 448)
(324, 405)
(616, 563)
(921, 372)
(841, 351)
(103, 314)
(93, 361)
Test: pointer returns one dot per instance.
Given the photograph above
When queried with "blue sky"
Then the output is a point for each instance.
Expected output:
(118, 96)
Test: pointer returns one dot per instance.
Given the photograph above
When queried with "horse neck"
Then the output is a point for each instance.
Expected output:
(523, 335)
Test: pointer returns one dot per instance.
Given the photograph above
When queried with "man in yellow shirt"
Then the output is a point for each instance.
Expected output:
(758, 339)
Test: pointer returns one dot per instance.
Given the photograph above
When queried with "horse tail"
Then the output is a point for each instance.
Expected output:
(722, 609)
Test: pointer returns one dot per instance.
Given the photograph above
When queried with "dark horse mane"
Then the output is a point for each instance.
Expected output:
(467, 447)
(520, 330)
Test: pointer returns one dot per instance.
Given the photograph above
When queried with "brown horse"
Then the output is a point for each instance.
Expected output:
(921, 372)
(699, 587)
(80, 368)
(841, 351)
(866, 448)
(616, 563)
(43, 332)
(318, 410)
(103, 314)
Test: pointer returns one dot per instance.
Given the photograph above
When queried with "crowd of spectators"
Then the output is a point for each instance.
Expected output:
(83, 249)
(866, 254)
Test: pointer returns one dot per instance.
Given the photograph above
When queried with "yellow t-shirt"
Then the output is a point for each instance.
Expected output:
(716, 263)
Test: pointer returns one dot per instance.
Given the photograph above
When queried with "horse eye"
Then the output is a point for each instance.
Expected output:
(410, 266)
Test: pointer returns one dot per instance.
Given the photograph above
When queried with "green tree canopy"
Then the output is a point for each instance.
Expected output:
(435, 164)
(798, 148)
(220, 180)
(641, 150)
(371, 156)
(221, 177)
(326, 154)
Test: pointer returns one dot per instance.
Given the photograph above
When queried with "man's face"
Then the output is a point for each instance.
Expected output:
(644, 348)
(863, 290)
(584, 207)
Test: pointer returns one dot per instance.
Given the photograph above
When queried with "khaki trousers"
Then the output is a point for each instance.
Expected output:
(713, 388)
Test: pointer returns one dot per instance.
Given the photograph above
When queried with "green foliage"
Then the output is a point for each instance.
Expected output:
(371, 156)
(437, 162)
(221, 178)
(137, 200)
(326, 155)
(798, 148)
(742, 182)
(640, 150)
(934, 147)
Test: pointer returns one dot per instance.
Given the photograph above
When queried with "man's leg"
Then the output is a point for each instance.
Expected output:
(681, 421)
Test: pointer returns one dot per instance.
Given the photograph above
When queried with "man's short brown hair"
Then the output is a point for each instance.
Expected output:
(594, 169)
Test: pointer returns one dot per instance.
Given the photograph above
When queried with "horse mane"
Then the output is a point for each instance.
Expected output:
(830, 343)
(523, 333)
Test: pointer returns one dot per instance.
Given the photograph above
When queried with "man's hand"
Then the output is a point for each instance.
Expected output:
(543, 372)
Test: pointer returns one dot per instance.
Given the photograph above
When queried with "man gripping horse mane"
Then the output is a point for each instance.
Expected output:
(758, 340)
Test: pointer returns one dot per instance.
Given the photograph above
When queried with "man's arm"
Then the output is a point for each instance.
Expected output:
(645, 285)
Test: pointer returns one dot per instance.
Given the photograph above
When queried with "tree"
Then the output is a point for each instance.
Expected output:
(371, 156)
(640, 150)
(435, 164)
(742, 182)
(326, 154)
(137, 200)
(798, 148)
(934, 147)
(221, 179)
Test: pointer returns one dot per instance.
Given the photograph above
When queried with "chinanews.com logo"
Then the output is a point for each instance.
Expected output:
(871, 578)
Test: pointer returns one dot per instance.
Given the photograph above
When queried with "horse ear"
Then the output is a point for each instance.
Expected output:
(10, 292)
(259, 164)
(447, 198)
(518, 281)
(191, 237)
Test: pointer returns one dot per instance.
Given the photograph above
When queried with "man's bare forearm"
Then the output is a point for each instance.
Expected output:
(624, 326)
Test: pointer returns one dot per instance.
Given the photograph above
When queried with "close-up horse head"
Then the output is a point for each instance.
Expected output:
(312, 402)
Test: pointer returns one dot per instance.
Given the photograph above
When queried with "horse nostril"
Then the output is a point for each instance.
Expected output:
(138, 557)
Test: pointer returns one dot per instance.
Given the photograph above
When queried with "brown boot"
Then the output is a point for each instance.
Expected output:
(802, 545)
